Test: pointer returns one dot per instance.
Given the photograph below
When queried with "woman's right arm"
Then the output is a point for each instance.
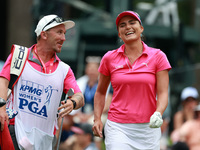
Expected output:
(99, 102)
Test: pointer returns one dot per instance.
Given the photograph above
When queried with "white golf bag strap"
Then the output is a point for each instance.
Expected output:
(17, 64)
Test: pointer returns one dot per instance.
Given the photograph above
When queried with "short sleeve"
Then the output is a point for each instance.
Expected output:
(104, 65)
(5, 72)
(162, 62)
(70, 82)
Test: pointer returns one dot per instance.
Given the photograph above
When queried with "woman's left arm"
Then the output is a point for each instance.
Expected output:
(162, 79)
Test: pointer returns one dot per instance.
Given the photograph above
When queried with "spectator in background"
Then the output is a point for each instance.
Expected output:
(189, 97)
(88, 85)
(189, 100)
(84, 136)
(66, 131)
(189, 137)
(82, 139)
(189, 131)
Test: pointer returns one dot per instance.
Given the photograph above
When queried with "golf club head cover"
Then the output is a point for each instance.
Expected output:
(19, 57)
(11, 113)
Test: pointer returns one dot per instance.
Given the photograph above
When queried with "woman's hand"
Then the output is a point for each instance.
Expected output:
(97, 128)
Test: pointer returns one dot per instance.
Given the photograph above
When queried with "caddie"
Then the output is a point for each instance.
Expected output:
(37, 93)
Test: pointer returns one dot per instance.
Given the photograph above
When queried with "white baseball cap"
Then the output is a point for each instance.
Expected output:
(51, 21)
(189, 92)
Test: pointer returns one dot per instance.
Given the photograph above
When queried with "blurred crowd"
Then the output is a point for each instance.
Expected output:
(186, 123)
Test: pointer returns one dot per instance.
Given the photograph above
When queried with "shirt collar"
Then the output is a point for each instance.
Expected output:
(34, 59)
(145, 49)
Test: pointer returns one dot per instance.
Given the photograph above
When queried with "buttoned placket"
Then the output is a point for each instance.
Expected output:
(131, 67)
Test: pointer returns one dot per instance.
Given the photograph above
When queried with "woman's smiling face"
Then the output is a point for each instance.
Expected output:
(129, 29)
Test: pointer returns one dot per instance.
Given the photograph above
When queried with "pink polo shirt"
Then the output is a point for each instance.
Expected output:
(134, 86)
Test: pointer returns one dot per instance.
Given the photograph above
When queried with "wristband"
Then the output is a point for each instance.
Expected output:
(2, 102)
(74, 103)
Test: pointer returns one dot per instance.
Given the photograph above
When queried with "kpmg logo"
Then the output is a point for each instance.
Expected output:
(34, 98)
(31, 90)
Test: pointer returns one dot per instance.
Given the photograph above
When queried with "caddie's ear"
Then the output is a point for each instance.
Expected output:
(43, 35)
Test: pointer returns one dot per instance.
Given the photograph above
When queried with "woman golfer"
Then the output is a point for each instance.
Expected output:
(139, 76)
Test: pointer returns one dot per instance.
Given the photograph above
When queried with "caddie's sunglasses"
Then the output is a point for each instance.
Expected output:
(57, 19)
